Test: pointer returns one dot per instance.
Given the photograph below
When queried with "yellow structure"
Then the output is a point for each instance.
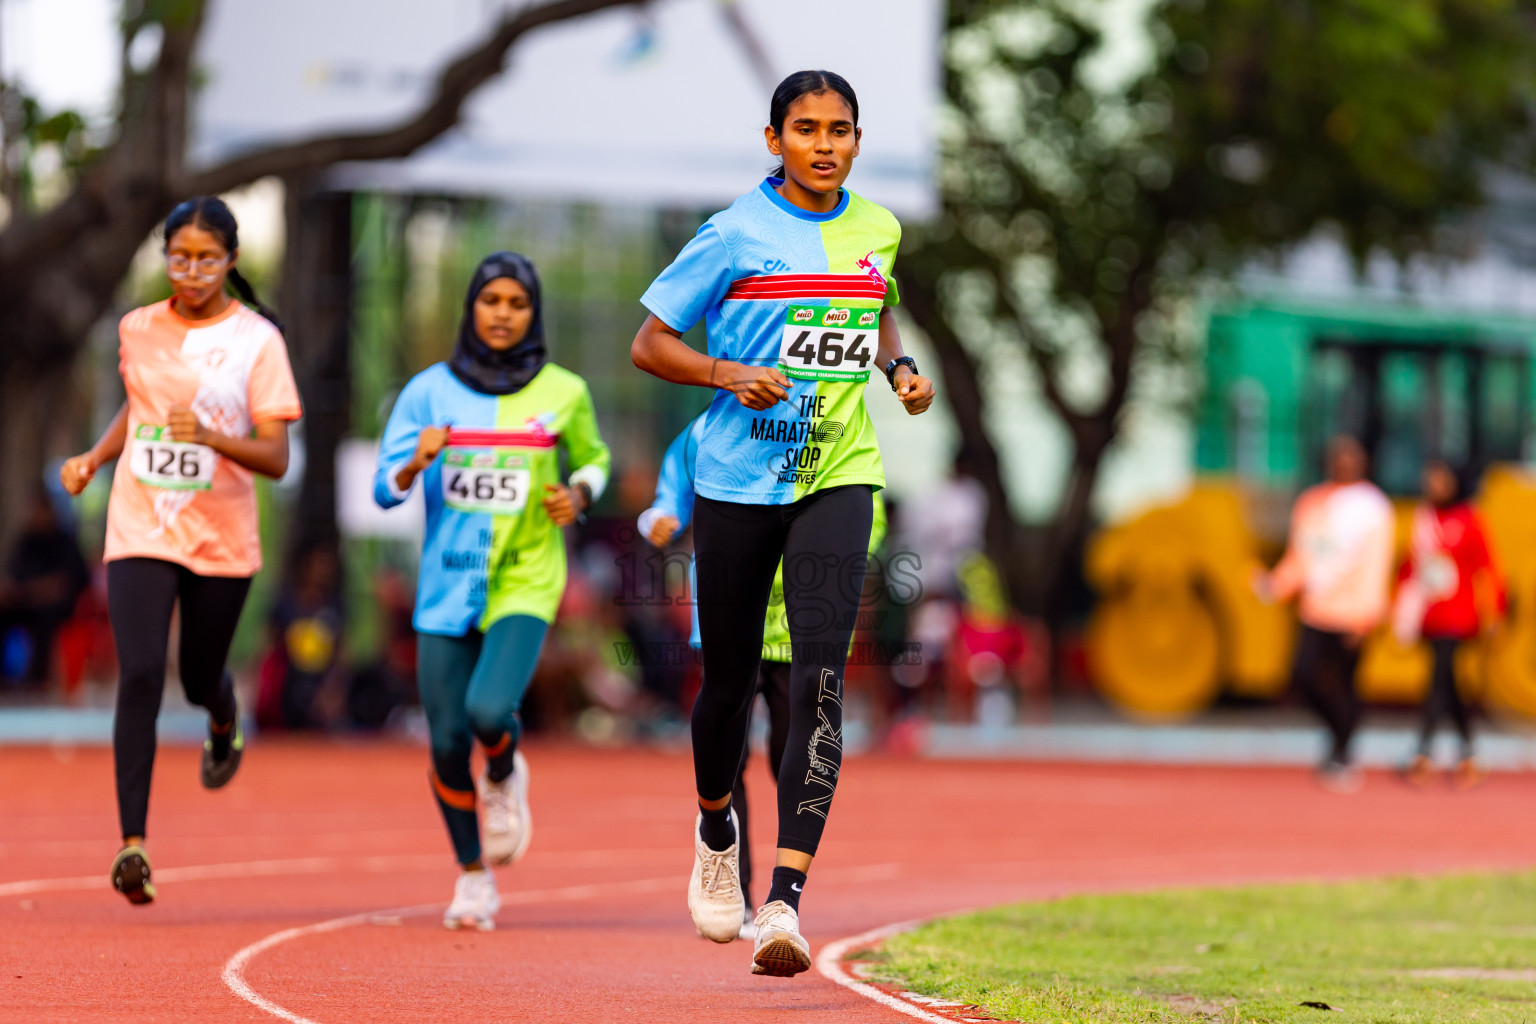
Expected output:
(1179, 621)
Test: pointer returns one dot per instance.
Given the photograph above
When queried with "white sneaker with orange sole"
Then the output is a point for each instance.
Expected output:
(475, 902)
(779, 950)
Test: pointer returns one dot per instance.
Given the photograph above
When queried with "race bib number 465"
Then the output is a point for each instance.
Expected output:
(171, 465)
(486, 480)
(829, 343)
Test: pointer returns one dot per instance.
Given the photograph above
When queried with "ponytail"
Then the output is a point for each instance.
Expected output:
(213, 215)
(247, 295)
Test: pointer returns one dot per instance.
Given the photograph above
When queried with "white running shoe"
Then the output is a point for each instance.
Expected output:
(508, 825)
(475, 902)
(779, 950)
(748, 923)
(714, 889)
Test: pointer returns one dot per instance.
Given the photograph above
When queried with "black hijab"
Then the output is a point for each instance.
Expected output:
(483, 368)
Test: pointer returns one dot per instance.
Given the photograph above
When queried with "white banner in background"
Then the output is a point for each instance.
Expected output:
(357, 514)
(662, 103)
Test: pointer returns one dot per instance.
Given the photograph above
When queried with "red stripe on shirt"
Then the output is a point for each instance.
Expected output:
(485, 438)
(807, 286)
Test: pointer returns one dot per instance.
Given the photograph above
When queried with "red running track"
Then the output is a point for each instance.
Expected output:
(596, 928)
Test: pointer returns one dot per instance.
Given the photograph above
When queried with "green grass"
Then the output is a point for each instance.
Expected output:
(1240, 954)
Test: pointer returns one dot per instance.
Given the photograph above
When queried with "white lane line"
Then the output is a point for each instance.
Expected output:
(234, 967)
(240, 869)
(830, 963)
(380, 864)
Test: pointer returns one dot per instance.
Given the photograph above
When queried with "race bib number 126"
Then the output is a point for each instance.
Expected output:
(829, 343)
(171, 465)
(486, 480)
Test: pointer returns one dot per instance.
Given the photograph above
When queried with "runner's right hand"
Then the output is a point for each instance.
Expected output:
(663, 530)
(77, 472)
(756, 387)
(428, 443)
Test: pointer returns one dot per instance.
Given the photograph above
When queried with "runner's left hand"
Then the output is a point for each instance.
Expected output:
(562, 504)
(915, 392)
(184, 426)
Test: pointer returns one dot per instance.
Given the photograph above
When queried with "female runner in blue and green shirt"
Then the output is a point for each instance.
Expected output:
(793, 284)
(482, 432)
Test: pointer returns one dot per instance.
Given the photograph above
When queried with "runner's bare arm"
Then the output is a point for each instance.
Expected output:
(661, 352)
(265, 453)
(78, 471)
(915, 391)
(428, 443)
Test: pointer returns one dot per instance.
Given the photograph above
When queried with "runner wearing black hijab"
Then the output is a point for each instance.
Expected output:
(482, 432)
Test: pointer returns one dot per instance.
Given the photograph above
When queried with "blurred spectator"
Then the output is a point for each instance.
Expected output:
(944, 525)
(1449, 588)
(1339, 561)
(377, 691)
(44, 577)
(86, 646)
(587, 677)
(305, 643)
(931, 626)
(992, 662)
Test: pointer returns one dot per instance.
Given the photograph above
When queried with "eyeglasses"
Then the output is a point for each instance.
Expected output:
(178, 267)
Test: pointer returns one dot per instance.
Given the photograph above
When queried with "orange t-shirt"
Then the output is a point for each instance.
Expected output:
(179, 502)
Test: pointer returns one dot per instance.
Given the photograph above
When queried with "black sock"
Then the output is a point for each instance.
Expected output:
(498, 758)
(219, 739)
(787, 884)
(715, 828)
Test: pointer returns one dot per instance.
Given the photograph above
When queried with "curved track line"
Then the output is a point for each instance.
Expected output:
(238, 869)
(830, 963)
(234, 968)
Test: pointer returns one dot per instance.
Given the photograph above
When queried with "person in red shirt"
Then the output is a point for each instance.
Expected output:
(1448, 590)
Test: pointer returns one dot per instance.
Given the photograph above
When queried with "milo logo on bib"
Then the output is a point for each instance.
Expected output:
(829, 342)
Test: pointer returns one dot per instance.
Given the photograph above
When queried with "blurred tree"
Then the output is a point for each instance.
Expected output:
(69, 236)
(1083, 202)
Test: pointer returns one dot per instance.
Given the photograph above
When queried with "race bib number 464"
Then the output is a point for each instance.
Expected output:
(486, 480)
(171, 465)
(829, 343)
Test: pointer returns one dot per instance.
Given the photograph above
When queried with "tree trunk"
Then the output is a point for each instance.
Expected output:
(60, 268)
(30, 402)
(962, 389)
(316, 309)
(1062, 547)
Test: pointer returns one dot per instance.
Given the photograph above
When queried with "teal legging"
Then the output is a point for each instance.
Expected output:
(471, 688)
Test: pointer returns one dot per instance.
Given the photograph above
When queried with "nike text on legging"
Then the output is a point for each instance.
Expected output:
(140, 595)
(471, 688)
(824, 542)
(1324, 675)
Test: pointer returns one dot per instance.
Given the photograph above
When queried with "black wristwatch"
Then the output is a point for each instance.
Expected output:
(890, 369)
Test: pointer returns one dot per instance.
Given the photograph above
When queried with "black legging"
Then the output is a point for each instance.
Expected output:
(140, 595)
(773, 684)
(1324, 675)
(1443, 698)
(824, 542)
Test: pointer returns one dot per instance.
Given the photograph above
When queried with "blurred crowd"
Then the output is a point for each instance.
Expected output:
(936, 638)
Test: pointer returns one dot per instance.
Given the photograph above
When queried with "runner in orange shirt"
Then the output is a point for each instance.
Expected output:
(1338, 567)
(210, 397)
